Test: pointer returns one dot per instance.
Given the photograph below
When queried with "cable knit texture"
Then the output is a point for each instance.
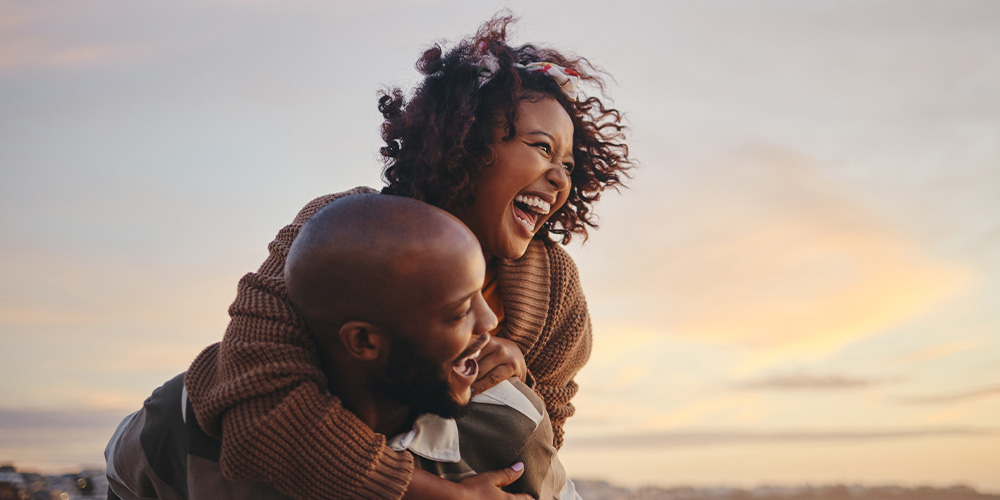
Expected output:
(262, 390)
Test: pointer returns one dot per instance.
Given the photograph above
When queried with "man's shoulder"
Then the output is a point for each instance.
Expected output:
(516, 396)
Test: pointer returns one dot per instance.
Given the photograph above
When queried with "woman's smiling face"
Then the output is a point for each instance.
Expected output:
(528, 181)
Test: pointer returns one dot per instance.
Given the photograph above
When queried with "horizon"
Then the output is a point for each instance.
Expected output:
(679, 486)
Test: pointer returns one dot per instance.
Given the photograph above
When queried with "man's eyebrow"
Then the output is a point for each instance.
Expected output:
(462, 300)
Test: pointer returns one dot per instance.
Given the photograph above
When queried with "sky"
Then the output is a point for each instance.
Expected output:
(799, 285)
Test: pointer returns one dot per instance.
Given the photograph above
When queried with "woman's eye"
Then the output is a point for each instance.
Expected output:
(568, 167)
(544, 147)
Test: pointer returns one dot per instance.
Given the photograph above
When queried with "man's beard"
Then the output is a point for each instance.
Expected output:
(417, 382)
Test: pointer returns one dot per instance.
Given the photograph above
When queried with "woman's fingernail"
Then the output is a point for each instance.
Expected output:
(517, 467)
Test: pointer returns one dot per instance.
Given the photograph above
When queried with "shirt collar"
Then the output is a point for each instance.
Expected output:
(432, 437)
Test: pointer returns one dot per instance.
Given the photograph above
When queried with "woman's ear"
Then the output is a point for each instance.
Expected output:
(490, 157)
(363, 341)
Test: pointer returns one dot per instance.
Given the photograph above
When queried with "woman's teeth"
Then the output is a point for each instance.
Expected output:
(525, 218)
(528, 209)
(537, 204)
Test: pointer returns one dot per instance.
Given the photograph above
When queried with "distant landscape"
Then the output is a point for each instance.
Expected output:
(602, 490)
(91, 484)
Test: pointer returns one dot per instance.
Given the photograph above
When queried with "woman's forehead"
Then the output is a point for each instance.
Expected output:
(544, 116)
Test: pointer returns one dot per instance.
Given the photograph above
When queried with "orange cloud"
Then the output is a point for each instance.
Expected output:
(33, 35)
(759, 250)
(47, 290)
(940, 351)
(35, 53)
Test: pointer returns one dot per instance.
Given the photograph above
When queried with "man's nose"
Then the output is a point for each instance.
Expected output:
(487, 320)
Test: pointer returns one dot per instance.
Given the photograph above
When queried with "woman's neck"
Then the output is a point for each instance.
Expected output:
(491, 261)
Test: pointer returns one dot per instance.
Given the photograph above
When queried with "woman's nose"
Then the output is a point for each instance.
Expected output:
(559, 177)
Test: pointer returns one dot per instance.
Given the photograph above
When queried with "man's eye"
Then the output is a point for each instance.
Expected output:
(462, 314)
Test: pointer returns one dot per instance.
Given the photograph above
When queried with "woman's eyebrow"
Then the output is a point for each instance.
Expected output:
(541, 132)
(546, 134)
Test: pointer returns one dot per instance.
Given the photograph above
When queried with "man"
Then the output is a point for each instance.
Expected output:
(391, 290)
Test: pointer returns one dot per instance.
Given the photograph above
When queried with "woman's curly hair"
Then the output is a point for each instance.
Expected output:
(439, 141)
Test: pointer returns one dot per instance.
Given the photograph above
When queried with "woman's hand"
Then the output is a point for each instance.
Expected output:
(485, 486)
(500, 360)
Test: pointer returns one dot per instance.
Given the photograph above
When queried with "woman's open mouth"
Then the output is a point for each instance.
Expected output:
(529, 210)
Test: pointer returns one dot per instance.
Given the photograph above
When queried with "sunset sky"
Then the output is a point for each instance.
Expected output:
(800, 285)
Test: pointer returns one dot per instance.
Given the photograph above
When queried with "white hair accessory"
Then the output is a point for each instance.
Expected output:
(565, 77)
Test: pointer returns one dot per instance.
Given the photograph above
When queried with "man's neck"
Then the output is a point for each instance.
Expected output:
(391, 419)
(383, 415)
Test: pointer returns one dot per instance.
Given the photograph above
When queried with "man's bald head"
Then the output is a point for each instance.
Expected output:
(368, 258)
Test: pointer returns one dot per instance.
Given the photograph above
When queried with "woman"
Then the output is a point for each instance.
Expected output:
(497, 136)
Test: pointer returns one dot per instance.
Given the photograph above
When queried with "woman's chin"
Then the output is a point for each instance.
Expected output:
(512, 249)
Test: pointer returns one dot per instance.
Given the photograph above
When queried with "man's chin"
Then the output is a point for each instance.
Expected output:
(452, 410)
(420, 384)
(462, 397)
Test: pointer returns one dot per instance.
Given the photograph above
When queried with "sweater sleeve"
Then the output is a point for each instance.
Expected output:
(262, 390)
(567, 341)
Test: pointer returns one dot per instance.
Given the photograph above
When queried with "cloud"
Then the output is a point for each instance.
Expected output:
(20, 54)
(103, 334)
(52, 439)
(810, 382)
(40, 36)
(20, 419)
(942, 350)
(46, 290)
(759, 250)
(674, 439)
(987, 392)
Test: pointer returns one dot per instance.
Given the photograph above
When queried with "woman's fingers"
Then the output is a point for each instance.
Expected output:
(500, 360)
(492, 377)
(508, 475)
(497, 479)
(500, 351)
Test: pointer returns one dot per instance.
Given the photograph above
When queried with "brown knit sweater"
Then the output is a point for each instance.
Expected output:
(262, 390)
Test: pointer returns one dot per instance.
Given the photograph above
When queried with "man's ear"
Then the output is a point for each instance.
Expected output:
(363, 341)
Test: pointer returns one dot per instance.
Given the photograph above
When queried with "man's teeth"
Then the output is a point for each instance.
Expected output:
(541, 206)
(468, 366)
(467, 358)
(471, 367)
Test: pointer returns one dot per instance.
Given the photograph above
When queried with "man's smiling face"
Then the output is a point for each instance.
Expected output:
(444, 325)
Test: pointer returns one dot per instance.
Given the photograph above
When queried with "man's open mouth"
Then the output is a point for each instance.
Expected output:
(467, 366)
